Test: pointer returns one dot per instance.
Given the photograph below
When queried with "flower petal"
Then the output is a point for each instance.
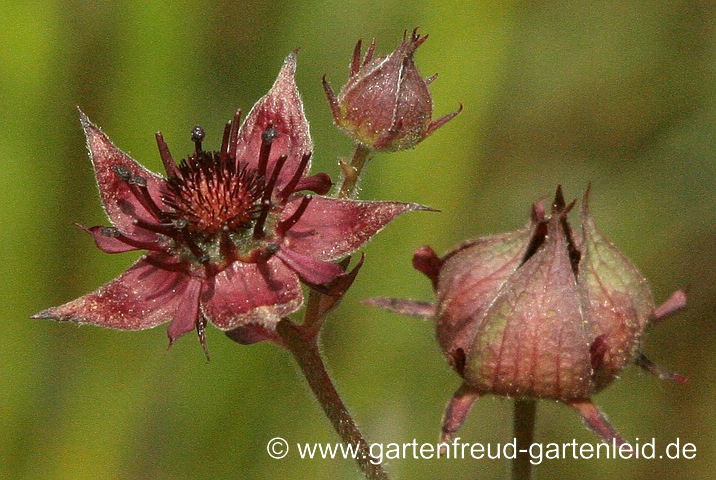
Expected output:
(282, 109)
(118, 244)
(120, 204)
(330, 229)
(142, 297)
(313, 272)
(518, 353)
(616, 298)
(187, 313)
(470, 277)
(252, 293)
(253, 333)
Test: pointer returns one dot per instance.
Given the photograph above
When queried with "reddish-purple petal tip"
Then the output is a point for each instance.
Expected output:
(281, 109)
(330, 229)
(121, 205)
(142, 297)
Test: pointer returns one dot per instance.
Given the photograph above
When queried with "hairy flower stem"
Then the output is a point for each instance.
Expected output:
(352, 172)
(524, 429)
(313, 318)
(303, 344)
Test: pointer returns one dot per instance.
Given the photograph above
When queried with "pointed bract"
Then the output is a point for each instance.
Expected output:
(329, 228)
(281, 109)
(142, 297)
(119, 202)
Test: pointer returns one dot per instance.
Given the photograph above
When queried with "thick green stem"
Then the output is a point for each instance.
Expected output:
(524, 429)
(302, 343)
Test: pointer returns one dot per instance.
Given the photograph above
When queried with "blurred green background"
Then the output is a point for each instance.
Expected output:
(621, 94)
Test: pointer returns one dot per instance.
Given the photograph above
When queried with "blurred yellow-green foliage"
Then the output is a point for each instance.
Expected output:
(620, 93)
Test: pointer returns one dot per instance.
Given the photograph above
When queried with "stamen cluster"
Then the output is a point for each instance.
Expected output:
(215, 209)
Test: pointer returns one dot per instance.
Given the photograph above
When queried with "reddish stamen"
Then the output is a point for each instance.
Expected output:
(266, 199)
(225, 139)
(267, 138)
(291, 185)
(168, 229)
(113, 232)
(138, 186)
(280, 161)
(319, 183)
(200, 254)
(197, 136)
(262, 255)
(227, 247)
(274, 176)
(234, 139)
(169, 165)
(285, 225)
(261, 220)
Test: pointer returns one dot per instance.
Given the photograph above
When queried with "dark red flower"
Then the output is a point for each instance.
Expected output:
(542, 312)
(228, 234)
(386, 104)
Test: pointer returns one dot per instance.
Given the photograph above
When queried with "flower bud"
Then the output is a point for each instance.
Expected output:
(386, 104)
(542, 312)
